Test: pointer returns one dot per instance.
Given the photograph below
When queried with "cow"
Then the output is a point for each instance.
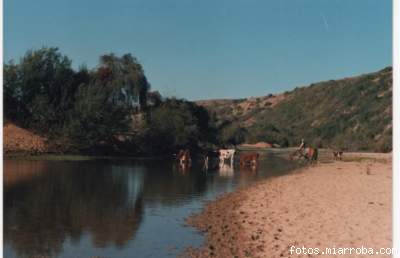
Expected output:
(249, 159)
(184, 157)
(225, 154)
(337, 155)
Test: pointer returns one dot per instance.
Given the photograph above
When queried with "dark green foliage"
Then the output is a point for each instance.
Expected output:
(267, 133)
(45, 94)
(126, 77)
(233, 135)
(94, 119)
(39, 88)
(177, 124)
(92, 111)
(13, 108)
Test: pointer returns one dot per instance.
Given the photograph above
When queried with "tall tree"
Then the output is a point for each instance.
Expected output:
(126, 77)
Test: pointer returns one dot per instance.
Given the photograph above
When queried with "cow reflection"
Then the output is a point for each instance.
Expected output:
(225, 170)
(249, 168)
(182, 168)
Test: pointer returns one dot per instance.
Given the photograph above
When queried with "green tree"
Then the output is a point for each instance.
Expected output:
(94, 119)
(126, 77)
(176, 124)
(40, 89)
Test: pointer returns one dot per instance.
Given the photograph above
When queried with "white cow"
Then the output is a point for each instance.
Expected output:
(226, 154)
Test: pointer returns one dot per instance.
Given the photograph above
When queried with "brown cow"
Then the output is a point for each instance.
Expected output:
(184, 157)
(249, 159)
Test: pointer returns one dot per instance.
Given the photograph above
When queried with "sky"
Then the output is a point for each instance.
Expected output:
(208, 49)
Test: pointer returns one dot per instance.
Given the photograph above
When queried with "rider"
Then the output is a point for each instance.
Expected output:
(302, 146)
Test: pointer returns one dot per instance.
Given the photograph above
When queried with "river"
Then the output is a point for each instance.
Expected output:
(113, 207)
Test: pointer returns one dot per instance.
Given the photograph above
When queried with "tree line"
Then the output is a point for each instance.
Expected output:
(94, 110)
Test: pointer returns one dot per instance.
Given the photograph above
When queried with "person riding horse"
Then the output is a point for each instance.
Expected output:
(308, 153)
(302, 147)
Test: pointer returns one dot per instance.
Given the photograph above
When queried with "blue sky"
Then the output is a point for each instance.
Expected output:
(212, 48)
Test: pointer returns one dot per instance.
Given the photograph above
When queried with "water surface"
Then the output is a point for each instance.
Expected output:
(113, 207)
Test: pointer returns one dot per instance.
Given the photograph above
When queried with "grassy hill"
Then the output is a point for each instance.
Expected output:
(351, 114)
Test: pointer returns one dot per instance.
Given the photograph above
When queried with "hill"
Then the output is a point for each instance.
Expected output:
(351, 114)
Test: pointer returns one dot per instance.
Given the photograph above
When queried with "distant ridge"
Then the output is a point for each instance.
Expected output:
(354, 113)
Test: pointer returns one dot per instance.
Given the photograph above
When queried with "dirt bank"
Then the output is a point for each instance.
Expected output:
(337, 204)
(19, 140)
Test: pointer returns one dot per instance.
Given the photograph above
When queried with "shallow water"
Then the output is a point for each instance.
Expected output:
(113, 208)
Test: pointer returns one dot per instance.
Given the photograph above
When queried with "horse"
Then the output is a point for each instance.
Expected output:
(310, 154)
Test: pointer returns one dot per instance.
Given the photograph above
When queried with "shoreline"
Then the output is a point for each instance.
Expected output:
(76, 157)
(84, 156)
(337, 204)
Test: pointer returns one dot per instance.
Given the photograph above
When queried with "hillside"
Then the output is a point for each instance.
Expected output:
(352, 114)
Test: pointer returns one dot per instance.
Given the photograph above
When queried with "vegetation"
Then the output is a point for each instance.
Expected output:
(86, 110)
(110, 109)
(349, 114)
(173, 125)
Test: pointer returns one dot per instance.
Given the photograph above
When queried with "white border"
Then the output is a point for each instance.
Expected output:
(1, 130)
(396, 128)
(396, 131)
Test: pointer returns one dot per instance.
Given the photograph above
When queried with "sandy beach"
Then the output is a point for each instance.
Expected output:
(336, 204)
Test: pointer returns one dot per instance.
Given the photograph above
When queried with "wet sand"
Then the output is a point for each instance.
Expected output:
(336, 204)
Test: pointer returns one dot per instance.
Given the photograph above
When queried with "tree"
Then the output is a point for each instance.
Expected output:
(176, 124)
(12, 106)
(233, 135)
(94, 119)
(126, 77)
(40, 88)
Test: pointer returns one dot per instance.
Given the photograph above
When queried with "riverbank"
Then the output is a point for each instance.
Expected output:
(337, 204)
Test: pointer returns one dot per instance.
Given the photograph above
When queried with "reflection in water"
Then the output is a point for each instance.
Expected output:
(68, 200)
(183, 168)
(226, 170)
(22, 171)
(173, 186)
(54, 207)
(251, 168)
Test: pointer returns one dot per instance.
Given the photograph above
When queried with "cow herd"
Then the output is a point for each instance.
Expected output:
(223, 159)
(220, 159)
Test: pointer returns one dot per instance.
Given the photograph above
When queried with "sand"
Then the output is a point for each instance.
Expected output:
(257, 145)
(337, 204)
